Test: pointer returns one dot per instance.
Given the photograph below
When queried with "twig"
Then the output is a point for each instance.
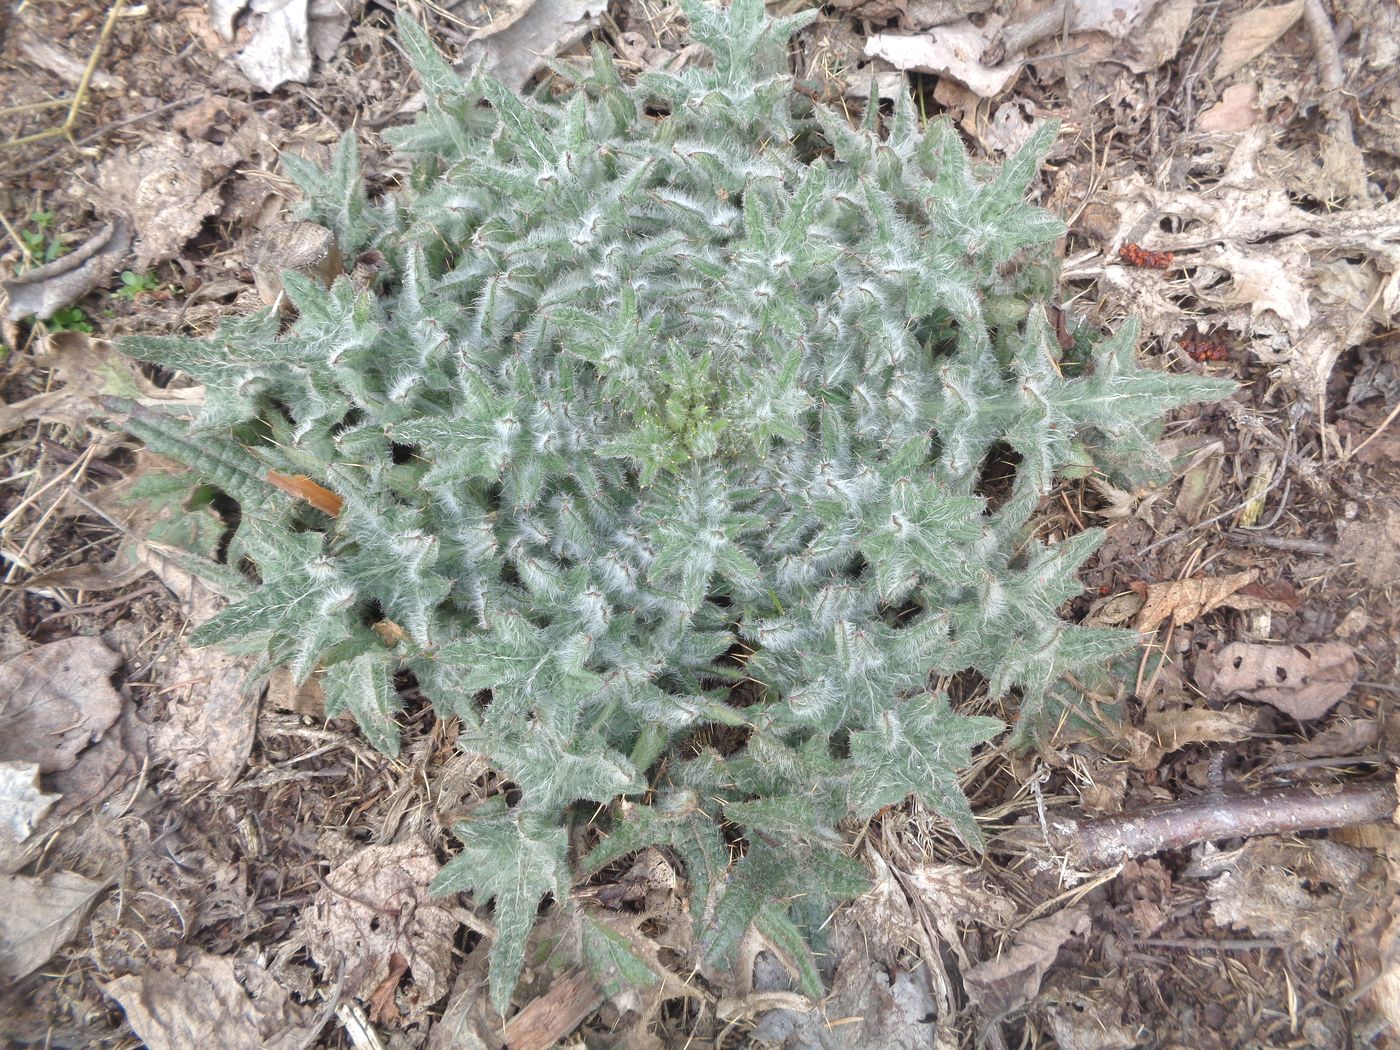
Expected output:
(1332, 80)
(1095, 844)
(107, 129)
(1296, 545)
(1180, 533)
(1375, 433)
(1014, 39)
(1305, 469)
(80, 94)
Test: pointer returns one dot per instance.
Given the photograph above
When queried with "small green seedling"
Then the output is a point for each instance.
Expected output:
(39, 243)
(135, 285)
(69, 319)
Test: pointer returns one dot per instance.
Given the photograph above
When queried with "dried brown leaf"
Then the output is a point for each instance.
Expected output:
(1278, 596)
(1348, 736)
(22, 806)
(302, 487)
(882, 913)
(104, 768)
(1166, 731)
(956, 894)
(1373, 547)
(208, 731)
(57, 699)
(37, 915)
(1305, 681)
(200, 1002)
(167, 188)
(375, 904)
(307, 698)
(1084, 1021)
(1236, 110)
(1156, 43)
(1187, 600)
(1251, 33)
(468, 1022)
(1295, 891)
(1012, 979)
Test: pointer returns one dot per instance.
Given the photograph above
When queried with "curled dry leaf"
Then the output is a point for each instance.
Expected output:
(57, 700)
(1170, 730)
(1187, 600)
(1012, 979)
(200, 1002)
(375, 904)
(44, 290)
(1305, 681)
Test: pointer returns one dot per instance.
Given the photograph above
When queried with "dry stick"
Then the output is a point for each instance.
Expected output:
(1104, 843)
(1305, 469)
(1280, 543)
(1333, 80)
(1014, 39)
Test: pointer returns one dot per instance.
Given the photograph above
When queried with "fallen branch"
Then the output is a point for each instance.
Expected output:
(1092, 844)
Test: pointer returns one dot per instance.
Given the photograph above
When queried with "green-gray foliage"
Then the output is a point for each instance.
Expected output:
(660, 439)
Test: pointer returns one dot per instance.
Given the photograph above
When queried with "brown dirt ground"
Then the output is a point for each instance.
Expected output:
(231, 869)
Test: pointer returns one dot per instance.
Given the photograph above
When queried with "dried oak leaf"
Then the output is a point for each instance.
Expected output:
(174, 1006)
(57, 700)
(375, 904)
(1012, 979)
(1305, 681)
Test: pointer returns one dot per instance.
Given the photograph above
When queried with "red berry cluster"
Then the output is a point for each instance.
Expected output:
(1204, 349)
(1136, 255)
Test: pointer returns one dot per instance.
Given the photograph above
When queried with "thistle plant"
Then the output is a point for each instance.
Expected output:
(657, 447)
